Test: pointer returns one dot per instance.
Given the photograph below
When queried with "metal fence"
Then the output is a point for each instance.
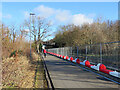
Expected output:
(105, 53)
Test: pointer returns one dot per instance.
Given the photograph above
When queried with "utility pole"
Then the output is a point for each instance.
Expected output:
(31, 14)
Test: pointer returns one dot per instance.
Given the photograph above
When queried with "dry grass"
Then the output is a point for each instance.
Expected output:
(18, 68)
(8, 46)
(19, 71)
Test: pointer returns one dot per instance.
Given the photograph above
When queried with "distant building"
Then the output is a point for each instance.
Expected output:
(49, 44)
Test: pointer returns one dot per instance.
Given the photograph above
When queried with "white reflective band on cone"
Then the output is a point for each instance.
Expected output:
(96, 67)
(116, 74)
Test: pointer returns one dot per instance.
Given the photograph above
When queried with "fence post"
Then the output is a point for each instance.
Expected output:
(66, 50)
(86, 52)
(100, 53)
(77, 51)
(71, 51)
(57, 51)
(61, 51)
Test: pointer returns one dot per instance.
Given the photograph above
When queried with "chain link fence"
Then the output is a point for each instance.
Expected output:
(105, 53)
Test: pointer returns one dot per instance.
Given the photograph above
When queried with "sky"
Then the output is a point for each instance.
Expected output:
(59, 13)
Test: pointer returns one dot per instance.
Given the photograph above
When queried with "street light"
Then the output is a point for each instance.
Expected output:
(31, 14)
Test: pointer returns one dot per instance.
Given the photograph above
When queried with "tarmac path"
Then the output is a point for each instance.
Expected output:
(66, 75)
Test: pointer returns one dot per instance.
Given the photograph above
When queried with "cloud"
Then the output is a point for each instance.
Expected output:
(0, 17)
(26, 14)
(0, 14)
(44, 11)
(80, 19)
(62, 15)
(59, 16)
(7, 16)
(91, 15)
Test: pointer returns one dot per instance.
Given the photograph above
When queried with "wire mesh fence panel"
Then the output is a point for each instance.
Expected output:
(110, 55)
(106, 53)
(93, 53)
(82, 53)
(74, 54)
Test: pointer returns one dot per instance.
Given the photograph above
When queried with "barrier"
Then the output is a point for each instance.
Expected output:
(60, 56)
(87, 64)
(96, 67)
(78, 61)
(71, 58)
(63, 57)
(66, 57)
(99, 67)
(102, 68)
(83, 63)
(106, 71)
(115, 74)
(57, 55)
(74, 60)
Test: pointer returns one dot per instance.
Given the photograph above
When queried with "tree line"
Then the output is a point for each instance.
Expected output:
(97, 32)
(15, 37)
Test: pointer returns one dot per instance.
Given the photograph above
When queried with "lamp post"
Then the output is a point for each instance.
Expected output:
(31, 14)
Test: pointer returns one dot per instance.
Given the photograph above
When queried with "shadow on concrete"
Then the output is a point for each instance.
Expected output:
(70, 71)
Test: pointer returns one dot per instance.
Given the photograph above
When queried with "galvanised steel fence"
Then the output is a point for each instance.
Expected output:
(105, 53)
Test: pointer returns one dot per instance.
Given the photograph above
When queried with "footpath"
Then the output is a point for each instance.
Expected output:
(67, 75)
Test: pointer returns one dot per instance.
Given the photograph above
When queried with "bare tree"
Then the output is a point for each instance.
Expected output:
(13, 32)
(43, 28)
(39, 28)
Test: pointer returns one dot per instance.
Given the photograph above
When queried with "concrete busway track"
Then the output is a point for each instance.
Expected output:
(67, 75)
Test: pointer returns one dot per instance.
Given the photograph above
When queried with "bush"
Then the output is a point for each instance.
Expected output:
(40, 47)
(14, 53)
